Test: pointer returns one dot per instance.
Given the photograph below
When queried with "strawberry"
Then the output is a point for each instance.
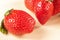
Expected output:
(56, 4)
(18, 22)
(30, 4)
(44, 10)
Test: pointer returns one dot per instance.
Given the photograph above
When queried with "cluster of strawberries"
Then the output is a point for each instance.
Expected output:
(19, 22)
(43, 9)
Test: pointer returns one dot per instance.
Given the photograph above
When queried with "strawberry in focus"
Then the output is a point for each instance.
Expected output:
(19, 22)
(43, 10)
(56, 4)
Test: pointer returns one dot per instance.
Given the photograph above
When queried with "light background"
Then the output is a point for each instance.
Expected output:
(49, 31)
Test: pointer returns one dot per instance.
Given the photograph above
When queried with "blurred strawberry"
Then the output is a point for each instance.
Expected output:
(56, 4)
(30, 4)
(19, 22)
(44, 10)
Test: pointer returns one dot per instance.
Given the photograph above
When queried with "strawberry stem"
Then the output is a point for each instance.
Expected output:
(2, 29)
(8, 12)
(51, 0)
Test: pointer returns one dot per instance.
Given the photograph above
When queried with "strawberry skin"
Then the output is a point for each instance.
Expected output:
(56, 4)
(44, 10)
(19, 22)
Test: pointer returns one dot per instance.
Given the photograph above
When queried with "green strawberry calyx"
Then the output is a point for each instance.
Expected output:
(8, 12)
(2, 29)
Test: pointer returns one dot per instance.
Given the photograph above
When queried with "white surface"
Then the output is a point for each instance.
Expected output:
(49, 31)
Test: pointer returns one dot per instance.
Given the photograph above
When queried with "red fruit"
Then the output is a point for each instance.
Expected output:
(44, 10)
(56, 4)
(30, 4)
(19, 22)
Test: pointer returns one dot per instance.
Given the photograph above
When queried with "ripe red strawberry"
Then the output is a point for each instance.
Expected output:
(44, 10)
(30, 4)
(19, 22)
(56, 4)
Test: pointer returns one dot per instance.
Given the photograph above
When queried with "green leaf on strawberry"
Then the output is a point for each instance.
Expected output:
(2, 29)
(7, 12)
